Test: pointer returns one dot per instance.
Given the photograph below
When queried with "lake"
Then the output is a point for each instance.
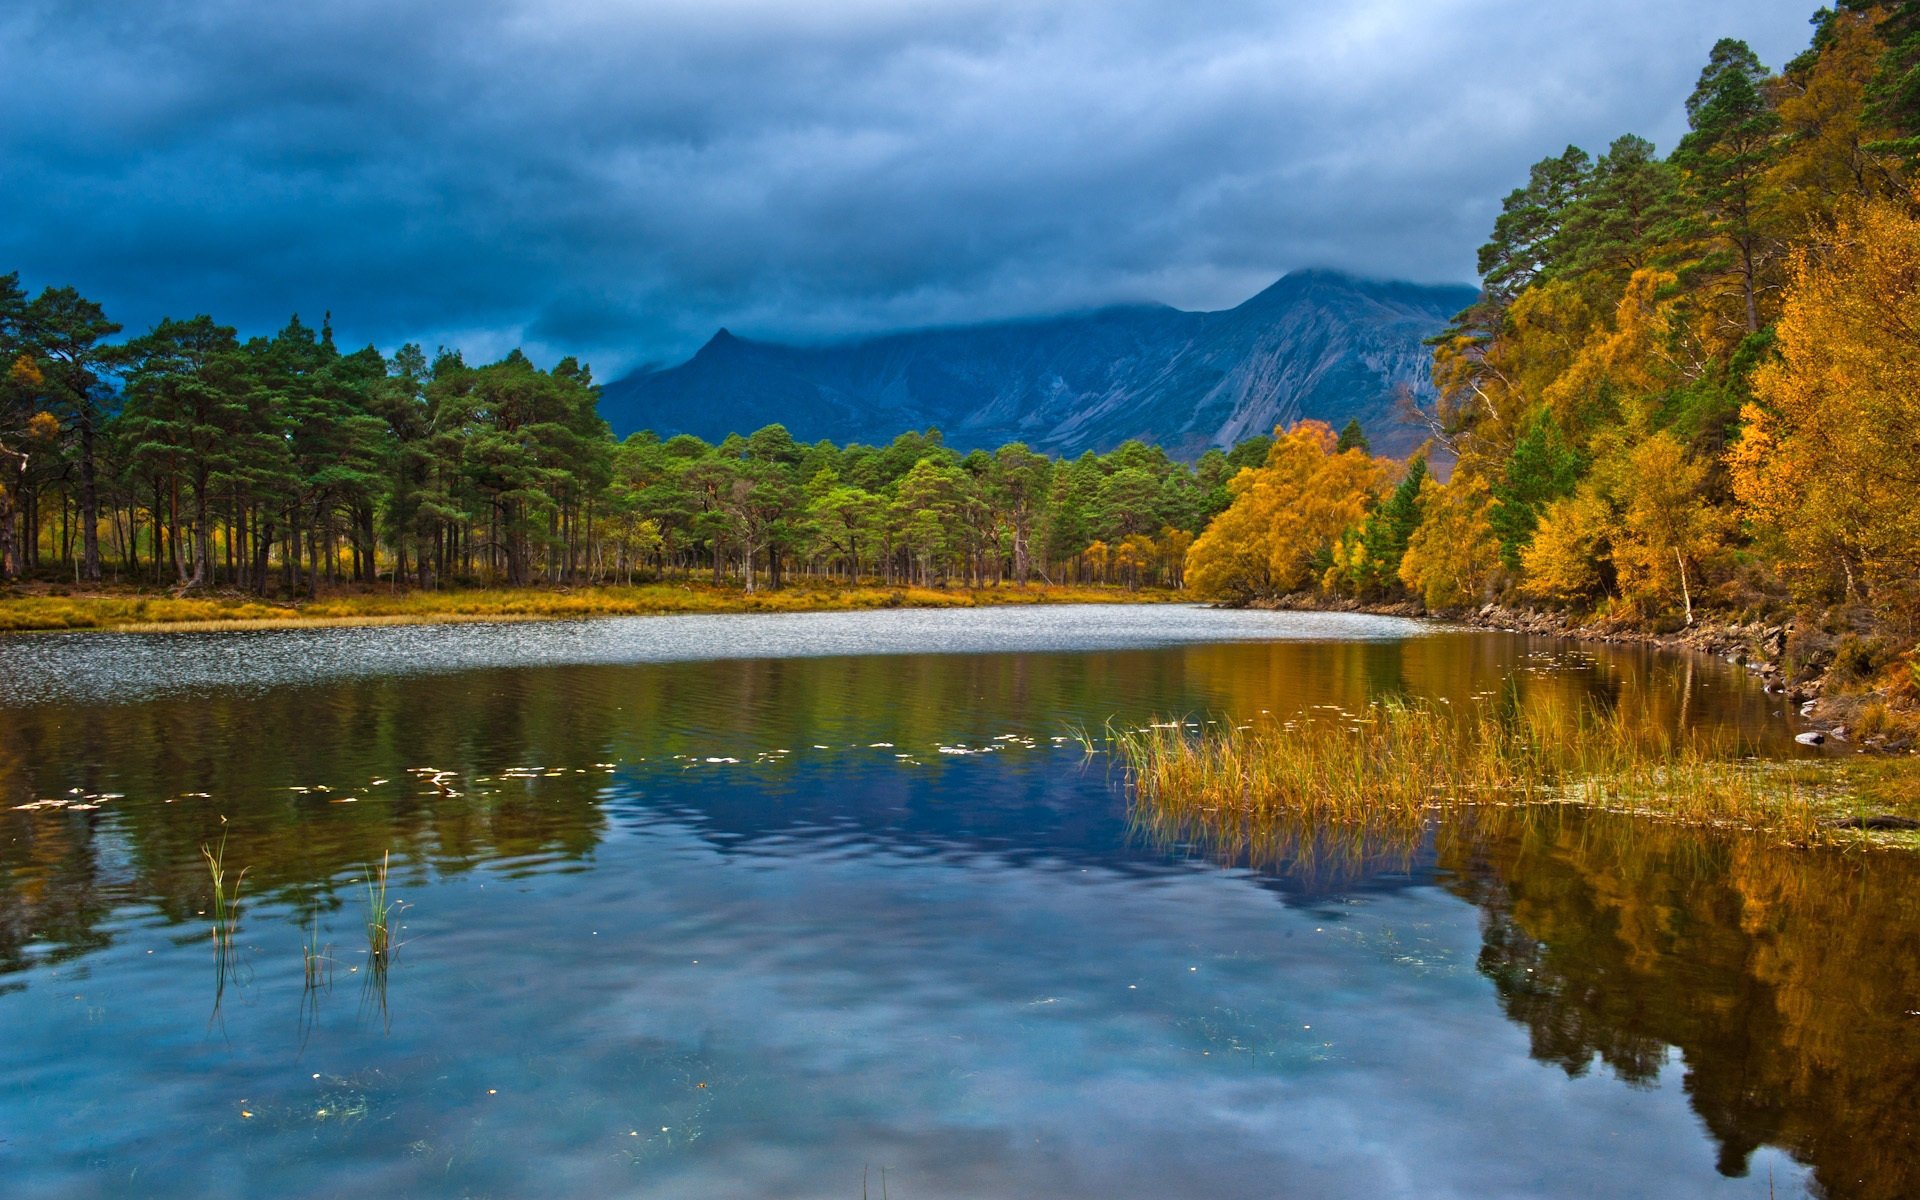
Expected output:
(817, 905)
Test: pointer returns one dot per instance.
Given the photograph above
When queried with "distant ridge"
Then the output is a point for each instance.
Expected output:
(1317, 343)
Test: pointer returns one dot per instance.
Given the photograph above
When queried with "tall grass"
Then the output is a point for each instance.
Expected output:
(1397, 763)
(382, 916)
(225, 911)
(133, 611)
(318, 958)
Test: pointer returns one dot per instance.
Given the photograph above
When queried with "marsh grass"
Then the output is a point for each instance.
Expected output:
(382, 916)
(136, 612)
(318, 958)
(225, 911)
(1391, 767)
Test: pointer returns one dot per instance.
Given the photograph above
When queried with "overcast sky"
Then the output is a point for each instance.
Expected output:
(616, 180)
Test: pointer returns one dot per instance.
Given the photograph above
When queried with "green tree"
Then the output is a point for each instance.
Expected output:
(185, 406)
(67, 334)
(1352, 437)
(1726, 156)
(1542, 468)
(1630, 208)
(1017, 485)
(1526, 245)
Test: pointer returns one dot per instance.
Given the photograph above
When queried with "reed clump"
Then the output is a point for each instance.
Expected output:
(225, 911)
(318, 958)
(1398, 763)
(382, 917)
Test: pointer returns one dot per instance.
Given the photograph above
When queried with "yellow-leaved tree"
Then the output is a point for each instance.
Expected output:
(1282, 514)
(1829, 463)
(1666, 527)
(1453, 557)
(1563, 562)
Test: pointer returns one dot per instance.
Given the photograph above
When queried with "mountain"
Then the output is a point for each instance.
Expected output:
(1316, 344)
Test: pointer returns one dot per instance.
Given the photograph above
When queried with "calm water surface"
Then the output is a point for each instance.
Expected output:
(748, 906)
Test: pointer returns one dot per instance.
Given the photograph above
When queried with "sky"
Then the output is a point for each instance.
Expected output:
(618, 180)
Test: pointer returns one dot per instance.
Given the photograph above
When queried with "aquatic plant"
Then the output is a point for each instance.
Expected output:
(318, 958)
(1399, 762)
(382, 916)
(226, 903)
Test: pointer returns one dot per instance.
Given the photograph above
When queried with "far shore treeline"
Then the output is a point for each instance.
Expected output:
(1691, 380)
(191, 458)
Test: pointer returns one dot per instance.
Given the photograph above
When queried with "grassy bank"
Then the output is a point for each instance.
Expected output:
(1396, 764)
(130, 610)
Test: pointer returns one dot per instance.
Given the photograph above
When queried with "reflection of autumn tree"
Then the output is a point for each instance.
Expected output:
(1657, 691)
(1771, 972)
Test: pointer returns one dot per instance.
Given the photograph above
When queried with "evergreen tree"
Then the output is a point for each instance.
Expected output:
(1352, 437)
(66, 333)
(1725, 157)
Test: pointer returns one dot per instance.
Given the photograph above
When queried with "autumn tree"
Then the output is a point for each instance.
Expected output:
(25, 428)
(1829, 465)
(1665, 528)
(1283, 515)
(1454, 556)
(1569, 558)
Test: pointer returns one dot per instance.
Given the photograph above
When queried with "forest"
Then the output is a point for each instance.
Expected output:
(1689, 380)
(188, 458)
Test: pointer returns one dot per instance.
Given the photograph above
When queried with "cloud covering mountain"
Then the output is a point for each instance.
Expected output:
(1316, 344)
(616, 180)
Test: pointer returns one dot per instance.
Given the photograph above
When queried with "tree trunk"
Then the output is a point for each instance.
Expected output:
(1686, 594)
(89, 501)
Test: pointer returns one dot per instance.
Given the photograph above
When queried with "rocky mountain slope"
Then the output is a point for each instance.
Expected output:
(1316, 344)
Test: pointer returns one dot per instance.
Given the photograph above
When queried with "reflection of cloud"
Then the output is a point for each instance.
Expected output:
(618, 180)
(986, 1028)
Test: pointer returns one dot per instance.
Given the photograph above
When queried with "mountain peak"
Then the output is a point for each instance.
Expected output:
(722, 343)
(1290, 288)
(1318, 343)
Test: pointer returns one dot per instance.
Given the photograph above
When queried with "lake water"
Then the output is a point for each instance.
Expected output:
(766, 906)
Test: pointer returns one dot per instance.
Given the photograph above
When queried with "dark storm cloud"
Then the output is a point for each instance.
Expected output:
(617, 179)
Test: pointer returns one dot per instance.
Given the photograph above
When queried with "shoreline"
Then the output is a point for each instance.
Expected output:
(1759, 646)
(115, 610)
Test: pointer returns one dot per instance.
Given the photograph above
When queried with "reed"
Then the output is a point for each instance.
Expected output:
(318, 958)
(226, 903)
(1397, 763)
(382, 917)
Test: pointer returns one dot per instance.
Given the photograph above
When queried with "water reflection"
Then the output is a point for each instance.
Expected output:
(318, 781)
(745, 918)
(1784, 981)
(1776, 978)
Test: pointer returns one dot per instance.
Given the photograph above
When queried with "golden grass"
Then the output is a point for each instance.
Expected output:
(1389, 768)
(130, 611)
